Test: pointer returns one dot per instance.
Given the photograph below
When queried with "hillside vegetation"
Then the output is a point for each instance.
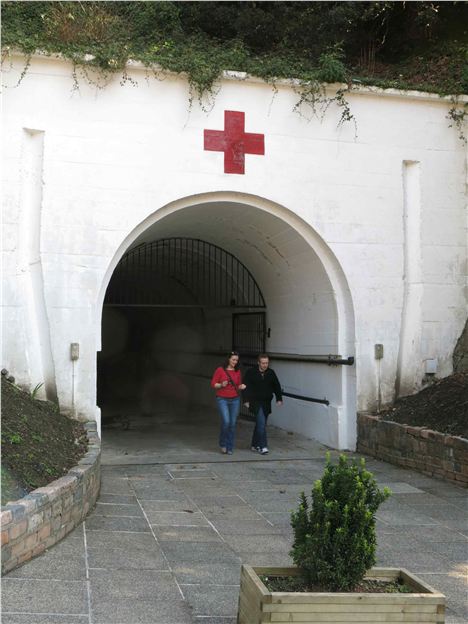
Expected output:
(416, 45)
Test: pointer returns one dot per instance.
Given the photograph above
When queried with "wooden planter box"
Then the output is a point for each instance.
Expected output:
(257, 604)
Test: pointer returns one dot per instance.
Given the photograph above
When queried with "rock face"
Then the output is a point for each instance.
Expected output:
(460, 353)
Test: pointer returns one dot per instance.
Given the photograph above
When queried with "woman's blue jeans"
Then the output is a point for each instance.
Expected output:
(259, 438)
(229, 411)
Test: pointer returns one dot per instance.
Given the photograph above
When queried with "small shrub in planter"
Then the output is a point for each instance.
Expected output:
(334, 539)
(333, 580)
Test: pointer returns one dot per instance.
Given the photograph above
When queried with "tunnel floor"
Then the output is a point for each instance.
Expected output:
(174, 433)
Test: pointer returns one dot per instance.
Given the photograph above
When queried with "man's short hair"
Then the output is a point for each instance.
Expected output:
(263, 356)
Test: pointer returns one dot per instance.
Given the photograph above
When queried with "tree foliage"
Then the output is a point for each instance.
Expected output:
(400, 44)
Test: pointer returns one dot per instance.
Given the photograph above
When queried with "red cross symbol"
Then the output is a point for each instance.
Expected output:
(234, 142)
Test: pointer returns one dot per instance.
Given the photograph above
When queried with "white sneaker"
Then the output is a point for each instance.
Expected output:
(264, 451)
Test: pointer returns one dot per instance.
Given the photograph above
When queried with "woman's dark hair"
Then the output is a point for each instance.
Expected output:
(226, 361)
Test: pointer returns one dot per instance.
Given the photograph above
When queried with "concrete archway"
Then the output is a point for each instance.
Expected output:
(309, 304)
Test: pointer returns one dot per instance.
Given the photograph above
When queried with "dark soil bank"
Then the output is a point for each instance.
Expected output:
(443, 407)
(39, 444)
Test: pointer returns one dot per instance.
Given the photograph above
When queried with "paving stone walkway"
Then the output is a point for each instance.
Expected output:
(166, 540)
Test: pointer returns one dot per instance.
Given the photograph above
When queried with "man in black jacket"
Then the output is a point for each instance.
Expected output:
(262, 383)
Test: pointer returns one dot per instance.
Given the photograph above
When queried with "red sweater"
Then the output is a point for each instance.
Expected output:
(228, 392)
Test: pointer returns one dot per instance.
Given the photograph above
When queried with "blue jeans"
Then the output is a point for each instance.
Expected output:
(229, 411)
(259, 437)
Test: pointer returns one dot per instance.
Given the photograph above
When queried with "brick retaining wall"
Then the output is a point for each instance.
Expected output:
(46, 515)
(430, 452)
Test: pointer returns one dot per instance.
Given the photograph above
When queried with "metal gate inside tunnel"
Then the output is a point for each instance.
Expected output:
(173, 309)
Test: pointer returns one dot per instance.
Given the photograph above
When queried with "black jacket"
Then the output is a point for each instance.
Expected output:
(260, 389)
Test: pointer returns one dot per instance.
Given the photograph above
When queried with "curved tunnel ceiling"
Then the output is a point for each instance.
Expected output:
(299, 295)
(182, 271)
(254, 236)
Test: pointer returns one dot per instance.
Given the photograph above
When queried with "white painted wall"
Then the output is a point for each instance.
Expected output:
(327, 222)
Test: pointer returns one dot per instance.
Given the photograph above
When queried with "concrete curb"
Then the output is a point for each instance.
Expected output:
(43, 517)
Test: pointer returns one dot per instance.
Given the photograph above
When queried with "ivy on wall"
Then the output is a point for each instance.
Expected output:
(414, 45)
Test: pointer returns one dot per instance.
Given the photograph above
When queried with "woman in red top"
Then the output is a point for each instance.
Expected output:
(228, 384)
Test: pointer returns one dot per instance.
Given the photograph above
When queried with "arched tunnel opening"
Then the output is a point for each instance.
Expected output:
(208, 279)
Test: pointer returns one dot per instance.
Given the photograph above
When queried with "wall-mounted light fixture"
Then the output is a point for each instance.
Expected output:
(74, 351)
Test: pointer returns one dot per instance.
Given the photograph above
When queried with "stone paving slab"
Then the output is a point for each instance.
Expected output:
(187, 534)
(194, 473)
(136, 596)
(144, 470)
(449, 514)
(167, 502)
(258, 543)
(265, 558)
(199, 490)
(154, 481)
(452, 618)
(244, 527)
(198, 552)
(252, 485)
(456, 553)
(278, 518)
(208, 573)
(118, 499)
(455, 495)
(31, 595)
(419, 498)
(174, 572)
(220, 600)
(221, 620)
(272, 501)
(176, 518)
(111, 509)
(149, 492)
(40, 618)
(440, 533)
(116, 486)
(117, 550)
(401, 488)
(182, 503)
(413, 558)
(243, 512)
(283, 475)
(403, 516)
(454, 587)
(116, 523)
(217, 503)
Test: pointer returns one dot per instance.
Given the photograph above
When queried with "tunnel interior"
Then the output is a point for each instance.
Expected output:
(171, 306)
(211, 278)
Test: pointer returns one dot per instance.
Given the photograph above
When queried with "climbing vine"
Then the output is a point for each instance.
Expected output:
(316, 43)
(457, 115)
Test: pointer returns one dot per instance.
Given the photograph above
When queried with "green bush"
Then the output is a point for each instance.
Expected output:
(334, 540)
(332, 67)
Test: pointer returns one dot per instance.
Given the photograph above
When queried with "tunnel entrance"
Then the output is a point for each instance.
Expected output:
(221, 271)
(173, 308)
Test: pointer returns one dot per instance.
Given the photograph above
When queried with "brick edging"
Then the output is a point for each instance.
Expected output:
(430, 452)
(43, 517)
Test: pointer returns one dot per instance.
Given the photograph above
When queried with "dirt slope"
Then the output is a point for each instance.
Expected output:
(442, 406)
(38, 443)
